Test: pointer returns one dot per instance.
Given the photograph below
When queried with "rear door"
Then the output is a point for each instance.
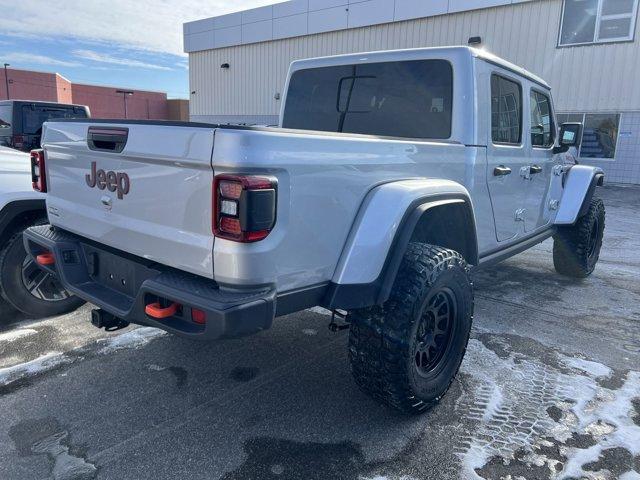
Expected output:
(542, 132)
(507, 155)
(143, 188)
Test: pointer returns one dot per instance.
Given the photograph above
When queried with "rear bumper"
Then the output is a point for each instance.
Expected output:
(124, 285)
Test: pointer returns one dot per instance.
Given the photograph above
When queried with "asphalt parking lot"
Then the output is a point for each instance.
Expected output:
(549, 388)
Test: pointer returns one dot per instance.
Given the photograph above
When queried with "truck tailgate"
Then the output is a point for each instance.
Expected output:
(141, 187)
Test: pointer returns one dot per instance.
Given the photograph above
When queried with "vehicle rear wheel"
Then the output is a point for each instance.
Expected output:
(407, 352)
(29, 288)
(576, 248)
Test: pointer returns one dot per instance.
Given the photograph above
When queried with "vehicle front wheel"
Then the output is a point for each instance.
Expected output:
(29, 288)
(576, 248)
(407, 352)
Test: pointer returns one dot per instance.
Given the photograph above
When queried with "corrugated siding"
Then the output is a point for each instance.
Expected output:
(588, 78)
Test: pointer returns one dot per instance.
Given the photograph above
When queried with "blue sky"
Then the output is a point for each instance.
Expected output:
(125, 43)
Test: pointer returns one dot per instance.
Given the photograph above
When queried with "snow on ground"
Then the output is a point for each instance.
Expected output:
(516, 399)
(13, 335)
(132, 339)
(41, 364)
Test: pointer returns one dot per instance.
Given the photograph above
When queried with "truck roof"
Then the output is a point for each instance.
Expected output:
(415, 54)
(40, 102)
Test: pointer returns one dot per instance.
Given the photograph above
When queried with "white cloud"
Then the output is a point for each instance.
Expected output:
(154, 25)
(23, 57)
(106, 58)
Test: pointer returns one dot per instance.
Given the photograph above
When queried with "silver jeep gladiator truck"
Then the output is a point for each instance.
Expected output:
(390, 175)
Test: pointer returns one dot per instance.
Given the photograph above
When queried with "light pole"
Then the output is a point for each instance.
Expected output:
(125, 94)
(6, 79)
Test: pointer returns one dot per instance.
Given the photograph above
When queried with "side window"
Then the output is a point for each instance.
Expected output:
(506, 110)
(542, 127)
(5, 117)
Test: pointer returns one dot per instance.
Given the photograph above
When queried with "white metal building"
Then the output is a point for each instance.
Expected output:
(586, 49)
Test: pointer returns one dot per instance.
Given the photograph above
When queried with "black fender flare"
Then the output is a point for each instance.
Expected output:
(596, 181)
(350, 296)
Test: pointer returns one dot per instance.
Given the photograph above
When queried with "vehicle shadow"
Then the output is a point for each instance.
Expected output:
(9, 316)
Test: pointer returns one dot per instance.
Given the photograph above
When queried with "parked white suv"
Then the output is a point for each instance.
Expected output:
(22, 283)
(392, 173)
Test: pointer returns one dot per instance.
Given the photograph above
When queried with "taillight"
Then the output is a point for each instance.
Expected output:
(18, 141)
(244, 207)
(38, 172)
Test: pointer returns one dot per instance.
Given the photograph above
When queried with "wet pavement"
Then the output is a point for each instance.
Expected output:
(549, 388)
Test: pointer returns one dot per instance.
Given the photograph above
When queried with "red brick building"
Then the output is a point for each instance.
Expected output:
(104, 102)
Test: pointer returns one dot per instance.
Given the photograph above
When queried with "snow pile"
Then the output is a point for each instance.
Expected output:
(132, 339)
(13, 335)
(44, 363)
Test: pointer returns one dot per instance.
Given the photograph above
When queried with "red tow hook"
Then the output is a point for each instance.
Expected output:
(156, 310)
(46, 259)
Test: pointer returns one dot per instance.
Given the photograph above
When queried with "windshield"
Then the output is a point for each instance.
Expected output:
(33, 116)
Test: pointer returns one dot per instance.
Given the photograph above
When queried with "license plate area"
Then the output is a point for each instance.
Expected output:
(115, 271)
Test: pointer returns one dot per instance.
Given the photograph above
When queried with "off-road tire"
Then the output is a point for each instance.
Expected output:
(13, 289)
(382, 339)
(576, 248)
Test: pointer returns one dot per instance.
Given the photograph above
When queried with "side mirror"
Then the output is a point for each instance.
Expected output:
(570, 136)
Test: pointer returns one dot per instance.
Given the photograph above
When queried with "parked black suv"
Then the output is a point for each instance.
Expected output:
(21, 120)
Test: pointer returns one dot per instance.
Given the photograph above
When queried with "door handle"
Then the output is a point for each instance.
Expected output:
(533, 169)
(501, 170)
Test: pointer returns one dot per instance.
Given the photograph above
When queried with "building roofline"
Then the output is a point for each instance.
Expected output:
(296, 18)
(120, 87)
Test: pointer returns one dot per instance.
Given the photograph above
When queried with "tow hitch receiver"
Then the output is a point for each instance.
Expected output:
(341, 324)
(111, 323)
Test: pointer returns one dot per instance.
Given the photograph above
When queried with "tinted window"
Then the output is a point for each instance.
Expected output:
(34, 116)
(5, 117)
(398, 99)
(542, 127)
(506, 110)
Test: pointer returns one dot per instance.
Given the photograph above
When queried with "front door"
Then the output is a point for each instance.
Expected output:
(507, 156)
(538, 208)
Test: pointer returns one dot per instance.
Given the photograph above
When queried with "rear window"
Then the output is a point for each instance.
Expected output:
(411, 99)
(33, 116)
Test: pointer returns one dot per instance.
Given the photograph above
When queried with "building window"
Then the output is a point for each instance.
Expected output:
(506, 110)
(597, 21)
(542, 127)
(599, 135)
